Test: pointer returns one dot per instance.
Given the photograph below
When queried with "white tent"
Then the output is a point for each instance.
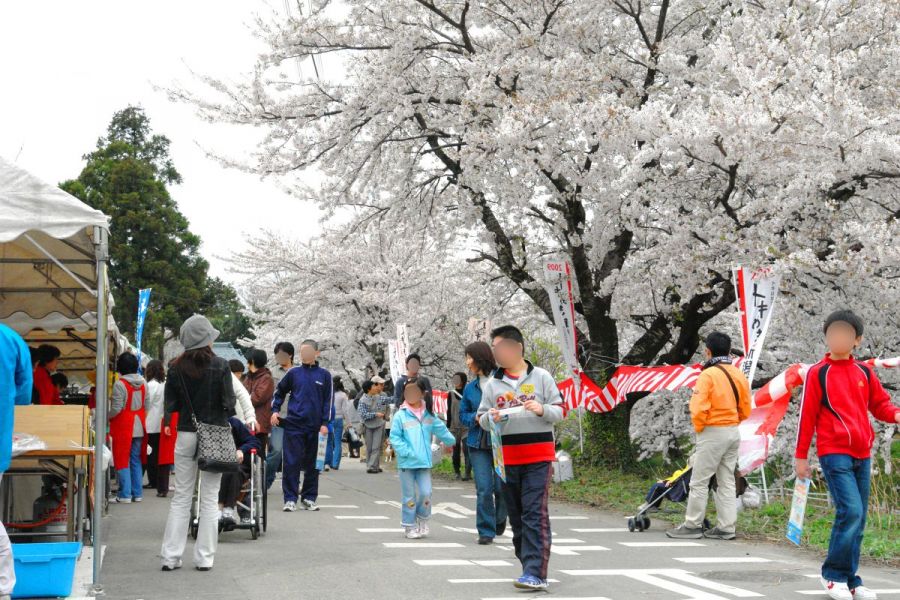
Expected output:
(54, 288)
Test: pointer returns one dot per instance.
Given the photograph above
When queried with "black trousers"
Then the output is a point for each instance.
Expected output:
(461, 448)
(153, 460)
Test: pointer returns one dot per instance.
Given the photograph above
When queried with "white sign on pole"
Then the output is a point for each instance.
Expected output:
(756, 292)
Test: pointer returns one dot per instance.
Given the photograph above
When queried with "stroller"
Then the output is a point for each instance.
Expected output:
(675, 488)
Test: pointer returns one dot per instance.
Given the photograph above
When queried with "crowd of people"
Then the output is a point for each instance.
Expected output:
(284, 412)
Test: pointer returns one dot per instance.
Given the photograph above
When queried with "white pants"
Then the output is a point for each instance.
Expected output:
(7, 569)
(177, 524)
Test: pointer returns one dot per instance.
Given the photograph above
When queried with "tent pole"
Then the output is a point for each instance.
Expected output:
(101, 241)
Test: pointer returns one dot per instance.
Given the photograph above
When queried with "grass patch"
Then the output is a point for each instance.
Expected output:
(619, 492)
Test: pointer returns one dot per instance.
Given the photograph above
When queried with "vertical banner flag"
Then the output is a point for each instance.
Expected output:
(756, 292)
(559, 288)
(402, 346)
(479, 330)
(143, 307)
(394, 360)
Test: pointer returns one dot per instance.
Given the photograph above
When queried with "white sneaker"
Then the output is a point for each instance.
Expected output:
(412, 533)
(228, 515)
(836, 589)
(290, 507)
(118, 500)
(423, 529)
(309, 505)
(861, 592)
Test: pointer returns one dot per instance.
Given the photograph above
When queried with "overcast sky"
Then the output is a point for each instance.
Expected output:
(68, 66)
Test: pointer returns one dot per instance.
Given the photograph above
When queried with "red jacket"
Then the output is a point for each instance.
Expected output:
(837, 398)
(47, 391)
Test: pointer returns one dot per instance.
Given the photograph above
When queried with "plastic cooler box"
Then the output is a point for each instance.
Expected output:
(45, 570)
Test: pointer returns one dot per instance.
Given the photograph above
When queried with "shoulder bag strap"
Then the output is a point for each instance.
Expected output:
(737, 397)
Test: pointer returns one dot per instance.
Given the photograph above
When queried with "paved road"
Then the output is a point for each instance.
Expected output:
(353, 548)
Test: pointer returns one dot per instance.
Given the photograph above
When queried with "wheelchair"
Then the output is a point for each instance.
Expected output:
(252, 503)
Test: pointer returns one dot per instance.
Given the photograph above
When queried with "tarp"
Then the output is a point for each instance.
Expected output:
(48, 282)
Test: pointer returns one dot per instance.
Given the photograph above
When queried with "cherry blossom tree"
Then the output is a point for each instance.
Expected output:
(652, 144)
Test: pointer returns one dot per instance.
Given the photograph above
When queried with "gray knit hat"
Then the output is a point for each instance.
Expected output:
(197, 332)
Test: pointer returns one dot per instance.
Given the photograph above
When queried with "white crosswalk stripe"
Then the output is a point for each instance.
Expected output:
(885, 591)
(362, 517)
(663, 578)
(415, 545)
(660, 544)
(600, 530)
(381, 530)
(460, 562)
(721, 559)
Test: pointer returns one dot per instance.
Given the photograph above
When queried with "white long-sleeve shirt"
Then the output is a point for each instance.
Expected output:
(244, 408)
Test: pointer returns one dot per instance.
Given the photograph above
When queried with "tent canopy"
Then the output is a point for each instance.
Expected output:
(48, 267)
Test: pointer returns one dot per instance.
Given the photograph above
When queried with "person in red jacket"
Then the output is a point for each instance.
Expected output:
(47, 363)
(838, 394)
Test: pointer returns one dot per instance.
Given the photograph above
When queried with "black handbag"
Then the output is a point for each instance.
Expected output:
(216, 451)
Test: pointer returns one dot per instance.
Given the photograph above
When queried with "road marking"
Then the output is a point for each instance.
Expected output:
(448, 509)
(338, 506)
(556, 598)
(448, 487)
(824, 593)
(576, 550)
(469, 496)
(421, 545)
(362, 517)
(656, 577)
(722, 559)
(660, 544)
(601, 530)
(381, 530)
(460, 562)
(567, 518)
(563, 540)
(498, 580)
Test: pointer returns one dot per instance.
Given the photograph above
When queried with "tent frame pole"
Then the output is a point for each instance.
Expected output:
(101, 242)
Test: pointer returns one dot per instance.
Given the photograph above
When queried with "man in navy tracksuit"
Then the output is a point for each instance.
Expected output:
(309, 412)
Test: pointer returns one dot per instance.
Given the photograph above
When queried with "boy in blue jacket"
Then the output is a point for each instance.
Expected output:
(411, 431)
(309, 412)
(15, 388)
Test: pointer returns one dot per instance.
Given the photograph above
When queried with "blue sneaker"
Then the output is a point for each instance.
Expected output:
(530, 582)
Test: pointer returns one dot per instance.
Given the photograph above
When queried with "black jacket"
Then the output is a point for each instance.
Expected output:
(211, 396)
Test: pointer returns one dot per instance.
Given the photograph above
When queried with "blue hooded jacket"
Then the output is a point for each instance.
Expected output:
(312, 396)
(15, 386)
(411, 438)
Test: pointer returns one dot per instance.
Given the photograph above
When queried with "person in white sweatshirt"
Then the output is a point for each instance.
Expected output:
(244, 408)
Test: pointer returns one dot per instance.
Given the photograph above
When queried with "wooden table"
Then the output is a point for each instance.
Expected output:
(66, 431)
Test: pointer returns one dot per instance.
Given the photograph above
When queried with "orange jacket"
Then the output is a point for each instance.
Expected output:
(713, 402)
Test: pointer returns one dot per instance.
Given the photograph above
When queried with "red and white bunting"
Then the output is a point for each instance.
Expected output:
(439, 401)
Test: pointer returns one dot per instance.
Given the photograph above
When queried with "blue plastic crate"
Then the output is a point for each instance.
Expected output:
(45, 569)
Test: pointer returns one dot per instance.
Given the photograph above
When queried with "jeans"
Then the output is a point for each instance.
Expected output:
(175, 536)
(527, 489)
(300, 449)
(490, 506)
(416, 503)
(848, 485)
(716, 453)
(273, 454)
(7, 569)
(335, 448)
(131, 480)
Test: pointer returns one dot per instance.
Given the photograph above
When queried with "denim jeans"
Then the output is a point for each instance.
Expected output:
(273, 454)
(848, 485)
(527, 489)
(334, 449)
(416, 503)
(131, 480)
(490, 505)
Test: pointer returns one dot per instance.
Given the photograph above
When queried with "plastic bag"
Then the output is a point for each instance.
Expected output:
(26, 442)
(751, 497)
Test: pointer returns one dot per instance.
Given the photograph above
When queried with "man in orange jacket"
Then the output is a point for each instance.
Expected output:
(720, 402)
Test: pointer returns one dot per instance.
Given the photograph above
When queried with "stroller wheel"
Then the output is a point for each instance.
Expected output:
(254, 532)
(645, 522)
(631, 524)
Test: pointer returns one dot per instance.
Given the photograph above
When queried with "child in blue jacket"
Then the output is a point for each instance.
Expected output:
(411, 431)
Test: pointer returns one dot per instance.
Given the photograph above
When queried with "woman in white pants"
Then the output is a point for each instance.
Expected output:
(198, 382)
